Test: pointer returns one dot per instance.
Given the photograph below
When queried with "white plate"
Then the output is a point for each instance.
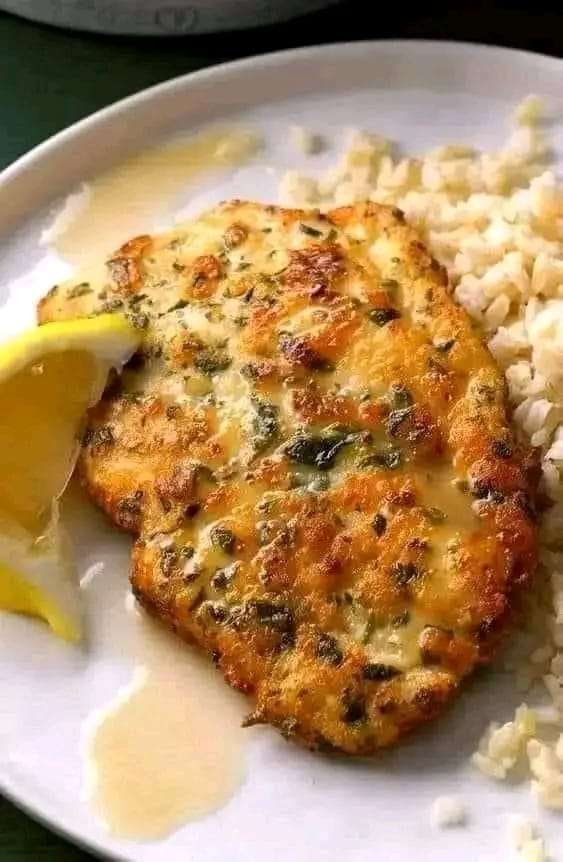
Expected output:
(292, 805)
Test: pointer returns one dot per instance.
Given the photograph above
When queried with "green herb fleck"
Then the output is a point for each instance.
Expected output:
(223, 538)
(388, 460)
(211, 361)
(433, 365)
(434, 515)
(130, 508)
(112, 305)
(396, 419)
(355, 711)
(501, 449)
(205, 473)
(381, 316)
(371, 625)
(404, 573)
(444, 346)
(328, 650)
(137, 298)
(310, 231)
(168, 561)
(132, 397)
(277, 616)
(377, 672)
(379, 524)
(264, 424)
(314, 451)
(176, 242)
(79, 290)
(224, 577)
(217, 612)
(139, 320)
(182, 303)
(97, 437)
(401, 397)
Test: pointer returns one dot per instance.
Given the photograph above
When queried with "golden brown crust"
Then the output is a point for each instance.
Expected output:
(314, 450)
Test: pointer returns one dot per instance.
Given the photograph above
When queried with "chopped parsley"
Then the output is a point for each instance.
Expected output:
(222, 537)
(401, 397)
(317, 451)
(97, 437)
(396, 419)
(382, 316)
(79, 290)
(501, 449)
(379, 524)
(387, 460)
(264, 424)
(355, 711)
(444, 346)
(378, 672)
(139, 320)
(308, 230)
(178, 305)
(434, 515)
(137, 298)
(211, 361)
(328, 650)
(404, 573)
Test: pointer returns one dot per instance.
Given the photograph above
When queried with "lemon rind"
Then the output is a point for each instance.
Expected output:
(109, 337)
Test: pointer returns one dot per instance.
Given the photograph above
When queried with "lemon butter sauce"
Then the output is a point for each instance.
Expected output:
(169, 747)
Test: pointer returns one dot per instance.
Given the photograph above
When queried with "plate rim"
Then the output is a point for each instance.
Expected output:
(28, 160)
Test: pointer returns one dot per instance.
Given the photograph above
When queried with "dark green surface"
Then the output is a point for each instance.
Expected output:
(22, 838)
(51, 78)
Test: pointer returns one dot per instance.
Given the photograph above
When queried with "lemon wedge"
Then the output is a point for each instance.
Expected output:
(49, 377)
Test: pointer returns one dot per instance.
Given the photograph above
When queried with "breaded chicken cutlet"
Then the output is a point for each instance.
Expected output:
(313, 450)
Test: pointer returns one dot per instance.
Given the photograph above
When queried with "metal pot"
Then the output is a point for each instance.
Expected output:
(160, 17)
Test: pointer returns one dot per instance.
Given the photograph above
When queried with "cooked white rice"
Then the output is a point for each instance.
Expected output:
(448, 811)
(495, 220)
(525, 841)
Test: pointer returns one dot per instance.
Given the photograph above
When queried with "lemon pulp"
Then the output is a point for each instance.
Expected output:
(39, 434)
(49, 377)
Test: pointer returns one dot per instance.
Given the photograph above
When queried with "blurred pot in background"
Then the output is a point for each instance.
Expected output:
(161, 17)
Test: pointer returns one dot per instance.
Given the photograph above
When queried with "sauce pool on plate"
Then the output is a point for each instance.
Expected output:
(127, 199)
(169, 748)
